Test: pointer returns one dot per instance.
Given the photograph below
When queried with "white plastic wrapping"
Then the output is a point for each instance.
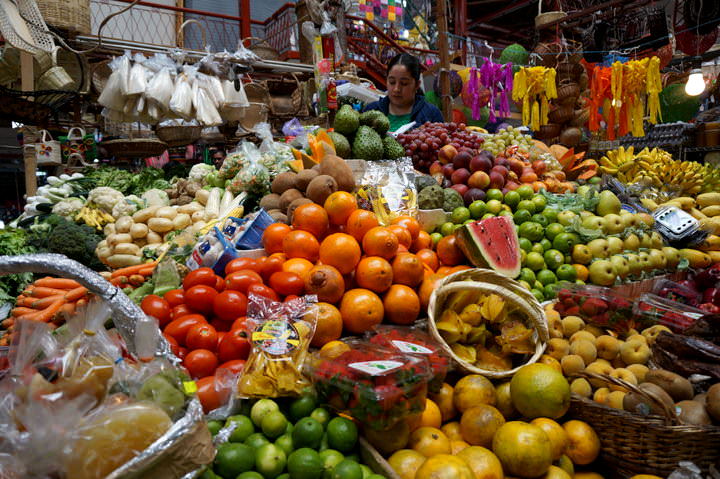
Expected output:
(113, 95)
(137, 81)
(182, 98)
(206, 112)
(233, 96)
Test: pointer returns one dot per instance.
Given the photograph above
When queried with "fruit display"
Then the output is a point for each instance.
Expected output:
(364, 136)
(506, 137)
(437, 141)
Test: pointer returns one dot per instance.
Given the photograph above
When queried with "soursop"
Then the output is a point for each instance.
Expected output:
(423, 181)
(367, 145)
(346, 121)
(342, 145)
(376, 120)
(392, 150)
(431, 197)
(451, 200)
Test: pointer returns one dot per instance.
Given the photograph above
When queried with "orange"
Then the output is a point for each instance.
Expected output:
(301, 244)
(422, 241)
(582, 272)
(402, 305)
(428, 271)
(339, 206)
(443, 270)
(406, 462)
(461, 267)
(583, 443)
(523, 449)
(444, 400)
(334, 349)
(341, 251)
(374, 273)
(410, 224)
(299, 266)
(452, 431)
(449, 252)
(429, 441)
(380, 241)
(329, 325)
(403, 235)
(444, 466)
(312, 218)
(431, 416)
(479, 424)
(483, 462)
(408, 269)
(429, 257)
(427, 286)
(472, 390)
(360, 222)
(555, 432)
(272, 237)
(457, 446)
(326, 282)
(361, 309)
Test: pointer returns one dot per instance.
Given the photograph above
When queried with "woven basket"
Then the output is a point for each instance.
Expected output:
(543, 19)
(257, 92)
(548, 53)
(632, 444)
(561, 114)
(580, 117)
(551, 130)
(77, 67)
(262, 48)
(100, 74)
(285, 97)
(134, 148)
(254, 114)
(488, 281)
(179, 135)
(72, 16)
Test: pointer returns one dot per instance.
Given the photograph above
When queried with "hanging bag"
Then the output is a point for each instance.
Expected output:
(47, 150)
(77, 141)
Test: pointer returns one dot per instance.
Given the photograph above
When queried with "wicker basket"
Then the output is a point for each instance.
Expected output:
(561, 114)
(632, 444)
(488, 281)
(262, 48)
(254, 114)
(72, 16)
(548, 53)
(179, 135)
(100, 74)
(551, 130)
(134, 148)
(543, 19)
(580, 117)
(285, 97)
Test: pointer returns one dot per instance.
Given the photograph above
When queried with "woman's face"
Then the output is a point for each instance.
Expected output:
(401, 86)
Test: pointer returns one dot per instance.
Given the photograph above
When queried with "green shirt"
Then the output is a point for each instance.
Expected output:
(396, 121)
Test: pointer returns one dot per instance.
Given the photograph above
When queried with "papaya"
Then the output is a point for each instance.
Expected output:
(697, 259)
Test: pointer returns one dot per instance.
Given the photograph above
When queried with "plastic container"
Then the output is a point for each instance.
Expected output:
(652, 309)
(246, 233)
(596, 305)
(373, 384)
(676, 292)
(413, 341)
(213, 251)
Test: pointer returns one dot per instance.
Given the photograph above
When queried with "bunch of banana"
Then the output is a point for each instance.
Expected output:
(711, 177)
(94, 217)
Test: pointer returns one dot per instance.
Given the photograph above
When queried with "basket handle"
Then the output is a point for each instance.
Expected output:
(203, 33)
(44, 134)
(76, 130)
(259, 41)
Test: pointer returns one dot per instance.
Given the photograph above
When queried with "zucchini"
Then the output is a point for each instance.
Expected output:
(44, 207)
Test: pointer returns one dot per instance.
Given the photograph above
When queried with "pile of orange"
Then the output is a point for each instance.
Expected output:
(362, 272)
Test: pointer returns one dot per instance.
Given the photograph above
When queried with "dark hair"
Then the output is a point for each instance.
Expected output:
(410, 62)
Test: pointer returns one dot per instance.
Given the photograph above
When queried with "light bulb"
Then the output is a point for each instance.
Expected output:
(695, 84)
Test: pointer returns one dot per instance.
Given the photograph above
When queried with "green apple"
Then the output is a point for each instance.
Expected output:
(646, 241)
(565, 218)
(657, 258)
(621, 265)
(599, 248)
(527, 275)
(566, 272)
(632, 242)
(656, 239)
(545, 276)
(612, 224)
(526, 205)
(602, 272)
(592, 222)
(636, 266)
(546, 244)
(581, 254)
(538, 248)
(672, 256)
(554, 258)
(564, 242)
(553, 229)
(615, 245)
(521, 216)
(535, 261)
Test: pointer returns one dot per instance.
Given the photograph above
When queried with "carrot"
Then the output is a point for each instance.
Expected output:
(42, 292)
(7, 322)
(127, 271)
(80, 303)
(136, 279)
(75, 294)
(67, 310)
(58, 283)
(119, 281)
(46, 314)
(147, 271)
(40, 304)
(20, 311)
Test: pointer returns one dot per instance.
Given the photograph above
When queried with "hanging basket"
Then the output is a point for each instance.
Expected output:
(548, 53)
(551, 130)
(262, 48)
(178, 135)
(561, 114)
(72, 16)
(134, 147)
(285, 97)
(546, 18)
(254, 114)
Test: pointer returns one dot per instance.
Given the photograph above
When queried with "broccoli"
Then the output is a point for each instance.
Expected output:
(77, 242)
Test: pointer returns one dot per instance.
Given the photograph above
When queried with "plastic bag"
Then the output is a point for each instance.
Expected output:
(137, 81)
(252, 177)
(181, 100)
(232, 163)
(293, 128)
(234, 92)
(389, 188)
(113, 95)
(160, 89)
(206, 112)
(244, 55)
(280, 334)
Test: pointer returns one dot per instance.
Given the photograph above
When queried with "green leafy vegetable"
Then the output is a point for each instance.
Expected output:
(14, 242)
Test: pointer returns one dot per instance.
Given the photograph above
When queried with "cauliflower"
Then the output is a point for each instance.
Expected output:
(68, 207)
(105, 198)
(156, 197)
(198, 173)
(130, 205)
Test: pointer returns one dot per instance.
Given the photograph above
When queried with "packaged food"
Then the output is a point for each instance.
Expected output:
(246, 233)
(388, 189)
(376, 385)
(212, 251)
(415, 342)
(650, 309)
(677, 292)
(596, 305)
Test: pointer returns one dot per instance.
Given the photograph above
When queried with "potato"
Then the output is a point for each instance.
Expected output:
(166, 212)
(103, 253)
(126, 248)
(123, 260)
(198, 226)
(202, 196)
(143, 216)
(102, 244)
(123, 224)
(153, 238)
(160, 225)
(118, 238)
(139, 230)
(109, 229)
(198, 216)
(190, 208)
(141, 242)
(182, 221)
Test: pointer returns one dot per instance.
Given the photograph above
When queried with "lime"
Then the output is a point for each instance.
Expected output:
(342, 434)
(284, 476)
(545, 276)
(347, 469)
(523, 257)
(289, 428)
(374, 476)
(257, 440)
(261, 408)
(525, 244)
(550, 291)
(566, 272)
(243, 428)
(493, 194)
(526, 192)
(270, 461)
(436, 237)
(538, 294)
(564, 242)
(528, 275)
(456, 227)
(477, 209)
(274, 424)
(553, 229)
(532, 231)
(250, 475)
(546, 244)
(512, 198)
(353, 457)
(554, 258)
(526, 205)
(232, 459)
(521, 216)
(447, 228)
(537, 248)
(367, 472)
(538, 285)
(487, 215)
(595, 180)
(494, 206)
(506, 213)
(540, 203)
(305, 464)
(467, 222)
(330, 458)
(535, 261)
(323, 443)
(308, 432)
(209, 474)
(460, 215)
(285, 443)
(302, 407)
(214, 426)
(540, 219)
(551, 214)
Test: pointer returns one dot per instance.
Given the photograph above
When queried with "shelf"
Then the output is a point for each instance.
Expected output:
(702, 149)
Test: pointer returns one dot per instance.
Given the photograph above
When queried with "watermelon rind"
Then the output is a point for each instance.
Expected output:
(491, 243)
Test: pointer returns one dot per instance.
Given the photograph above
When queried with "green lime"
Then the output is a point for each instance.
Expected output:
(493, 194)
(302, 407)
(553, 229)
(477, 208)
(564, 242)
(535, 261)
(367, 472)
(551, 214)
(494, 206)
(447, 228)
(308, 432)
(460, 215)
(342, 434)
(323, 443)
(285, 443)
(528, 275)
(330, 458)
(487, 215)
(250, 475)
(550, 291)
(595, 180)
(566, 272)
(374, 476)
(540, 219)
(436, 237)
(214, 426)
(243, 428)
(347, 469)
(546, 244)
(353, 457)
(305, 464)
(521, 216)
(540, 203)
(553, 258)
(467, 222)
(538, 294)
(274, 424)
(512, 198)
(538, 285)
(270, 461)
(537, 248)
(284, 476)
(532, 231)
(526, 192)
(523, 257)
(232, 459)
(525, 244)
(257, 440)
(545, 276)
(456, 227)
(261, 408)
(506, 213)
(526, 205)
(209, 474)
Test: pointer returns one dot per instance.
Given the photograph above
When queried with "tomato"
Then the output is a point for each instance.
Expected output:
(240, 323)
(153, 305)
(290, 297)
(234, 345)
(286, 283)
(200, 298)
(220, 325)
(180, 310)
(201, 363)
(241, 280)
(174, 297)
(207, 394)
(262, 290)
(178, 328)
(241, 263)
(235, 366)
(174, 346)
(182, 352)
(202, 336)
(219, 283)
(230, 304)
(272, 264)
(221, 334)
(205, 276)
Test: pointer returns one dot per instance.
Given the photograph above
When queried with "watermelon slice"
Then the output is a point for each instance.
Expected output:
(492, 243)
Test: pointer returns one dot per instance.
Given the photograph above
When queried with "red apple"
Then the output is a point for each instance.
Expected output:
(460, 188)
(448, 170)
(479, 179)
(460, 176)
(462, 159)
(517, 166)
(481, 163)
(497, 180)
(447, 154)
(511, 185)
(436, 167)
(500, 169)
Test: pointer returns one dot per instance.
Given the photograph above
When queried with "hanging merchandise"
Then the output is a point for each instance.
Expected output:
(498, 78)
(78, 142)
(534, 87)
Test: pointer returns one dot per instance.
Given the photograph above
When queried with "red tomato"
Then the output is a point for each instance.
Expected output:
(207, 394)
(290, 297)
(153, 305)
(240, 323)
(286, 283)
(174, 297)
(234, 345)
(200, 298)
(202, 336)
(221, 334)
(205, 276)
(230, 304)
(180, 310)
(178, 328)
(241, 280)
(239, 264)
(235, 366)
(182, 352)
(220, 325)
(174, 346)
(219, 283)
(262, 290)
(201, 363)
(272, 264)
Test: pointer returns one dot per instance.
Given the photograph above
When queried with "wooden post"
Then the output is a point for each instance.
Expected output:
(27, 82)
(444, 59)
(461, 25)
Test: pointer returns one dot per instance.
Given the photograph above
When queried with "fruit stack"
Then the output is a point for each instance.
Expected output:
(427, 143)
(364, 136)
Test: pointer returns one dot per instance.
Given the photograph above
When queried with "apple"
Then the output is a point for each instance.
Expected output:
(581, 254)
(448, 170)
(602, 396)
(436, 168)
(460, 177)
(516, 167)
(583, 336)
(602, 272)
(446, 154)
(624, 374)
(599, 248)
(592, 222)
(512, 186)
(481, 163)
(632, 242)
(639, 370)
(496, 180)
(502, 161)
(612, 224)
(657, 259)
(635, 351)
(581, 387)
(621, 265)
(500, 169)
(615, 245)
(473, 194)
(460, 188)
(572, 364)
(585, 349)
(462, 159)
(565, 218)
(479, 179)
(615, 399)
(555, 328)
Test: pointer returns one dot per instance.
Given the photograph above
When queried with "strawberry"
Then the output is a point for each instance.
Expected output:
(593, 307)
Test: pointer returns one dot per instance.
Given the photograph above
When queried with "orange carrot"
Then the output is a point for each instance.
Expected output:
(136, 279)
(75, 294)
(132, 269)
(80, 303)
(58, 283)
(7, 322)
(46, 314)
(67, 310)
(40, 304)
(20, 311)
(119, 281)
(147, 271)
(42, 292)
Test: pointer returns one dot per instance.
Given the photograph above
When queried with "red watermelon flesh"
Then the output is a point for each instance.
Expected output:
(492, 243)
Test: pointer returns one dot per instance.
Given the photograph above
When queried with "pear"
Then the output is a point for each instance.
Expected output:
(656, 239)
(602, 272)
(621, 265)
(613, 224)
(636, 266)
(672, 256)
(593, 222)
(632, 242)
(646, 241)
(599, 248)
(615, 245)
(608, 203)
(581, 254)
(658, 259)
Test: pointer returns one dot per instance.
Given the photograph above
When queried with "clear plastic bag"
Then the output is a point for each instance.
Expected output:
(252, 176)
(205, 110)
(137, 81)
(181, 102)
(113, 95)
(235, 97)
(389, 189)
(160, 89)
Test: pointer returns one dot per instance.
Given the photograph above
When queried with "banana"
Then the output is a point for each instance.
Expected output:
(649, 204)
(708, 199)
(697, 214)
(711, 243)
(713, 210)
(711, 225)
